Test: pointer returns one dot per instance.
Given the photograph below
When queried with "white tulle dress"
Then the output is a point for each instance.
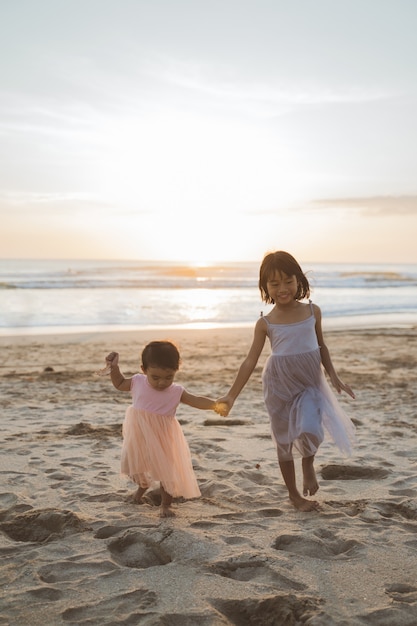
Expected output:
(154, 447)
(301, 405)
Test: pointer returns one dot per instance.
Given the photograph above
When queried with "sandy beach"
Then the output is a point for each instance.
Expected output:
(74, 550)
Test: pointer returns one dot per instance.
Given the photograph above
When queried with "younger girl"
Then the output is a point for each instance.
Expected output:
(298, 398)
(154, 447)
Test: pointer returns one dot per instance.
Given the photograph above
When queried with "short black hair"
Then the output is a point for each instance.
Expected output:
(163, 354)
(281, 261)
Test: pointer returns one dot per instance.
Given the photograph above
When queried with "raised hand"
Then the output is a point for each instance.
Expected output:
(111, 359)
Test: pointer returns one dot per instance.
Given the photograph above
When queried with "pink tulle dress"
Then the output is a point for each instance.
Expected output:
(301, 405)
(154, 447)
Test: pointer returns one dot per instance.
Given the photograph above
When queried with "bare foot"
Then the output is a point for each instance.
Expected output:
(310, 484)
(166, 501)
(166, 511)
(136, 498)
(301, 504)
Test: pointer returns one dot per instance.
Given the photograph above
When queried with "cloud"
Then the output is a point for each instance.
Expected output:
(28, 201)
(372, 205)
(72, 204)
(267, 96)
(21, 198)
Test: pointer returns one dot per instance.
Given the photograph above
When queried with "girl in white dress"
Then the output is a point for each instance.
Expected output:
(300, 403)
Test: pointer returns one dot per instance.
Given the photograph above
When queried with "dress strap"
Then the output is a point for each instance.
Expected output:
(264, 318)
(311, 307)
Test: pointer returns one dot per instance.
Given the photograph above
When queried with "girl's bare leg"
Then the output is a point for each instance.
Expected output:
(166, 501)
(310, 484)
(137, 496)
(288, 474)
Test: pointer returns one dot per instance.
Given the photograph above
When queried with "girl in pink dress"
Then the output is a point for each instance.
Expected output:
(300, 403)
(154, 447)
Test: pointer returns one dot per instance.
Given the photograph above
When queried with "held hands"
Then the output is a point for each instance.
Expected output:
(222, 409)
(223, 406)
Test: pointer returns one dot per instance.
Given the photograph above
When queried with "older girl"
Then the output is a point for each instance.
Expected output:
(299, 401)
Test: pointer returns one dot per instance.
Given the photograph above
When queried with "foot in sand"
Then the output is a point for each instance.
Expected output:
(166, 511)
(136, 498)
(301, 504)
(166, 501)
(310, 481)
(310, 484)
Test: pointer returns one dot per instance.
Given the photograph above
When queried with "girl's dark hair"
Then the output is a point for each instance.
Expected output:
(161, 354)
(284, 263)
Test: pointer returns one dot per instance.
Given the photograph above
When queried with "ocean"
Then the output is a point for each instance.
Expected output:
(44, 296)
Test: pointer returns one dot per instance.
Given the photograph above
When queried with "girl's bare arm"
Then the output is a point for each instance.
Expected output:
(337, 383)
(198, 402)
(248, 365)
(117, 378)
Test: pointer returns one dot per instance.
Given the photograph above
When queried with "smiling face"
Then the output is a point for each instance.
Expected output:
(282, 289)
(159, 378)
(280, 267)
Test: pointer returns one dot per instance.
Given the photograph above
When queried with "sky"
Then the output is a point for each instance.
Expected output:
(201, 131)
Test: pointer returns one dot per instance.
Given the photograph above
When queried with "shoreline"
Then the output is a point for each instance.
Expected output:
(330, 324)
(185, 336)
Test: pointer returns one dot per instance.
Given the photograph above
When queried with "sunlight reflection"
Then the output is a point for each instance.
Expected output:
(201, 304)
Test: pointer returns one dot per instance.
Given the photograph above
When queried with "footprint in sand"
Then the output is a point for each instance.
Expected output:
(231, 540)
(223, 490)
(133, 549)
(45, 594)
(410, 493)
(84, 429)
(250, 569)
(352, 472)
(65, 571)
(43, 525)
(406, 486)
(276, 609)
(7, 500)
(399, 614)
(106, 497)
(348, 507)
(402, 593)
(406, 509)
(58, 475)
(322, 544)
(411, 544)
(237, 540)
(254, 476)
(127, 606)
(252, 515)
(185, 619)
(108, 531)
(206, 524)
(242, 520)
(223, 474)
(35, 460)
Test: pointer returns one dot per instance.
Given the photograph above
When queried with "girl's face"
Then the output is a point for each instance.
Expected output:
(282, 288)
(159, 378)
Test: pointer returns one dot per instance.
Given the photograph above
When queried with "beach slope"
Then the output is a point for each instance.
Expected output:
(75, 550)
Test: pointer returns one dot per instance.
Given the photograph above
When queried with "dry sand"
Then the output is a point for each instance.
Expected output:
(75, 551)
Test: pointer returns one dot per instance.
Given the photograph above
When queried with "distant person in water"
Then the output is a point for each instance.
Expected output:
(298, 398)
(154, 447)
